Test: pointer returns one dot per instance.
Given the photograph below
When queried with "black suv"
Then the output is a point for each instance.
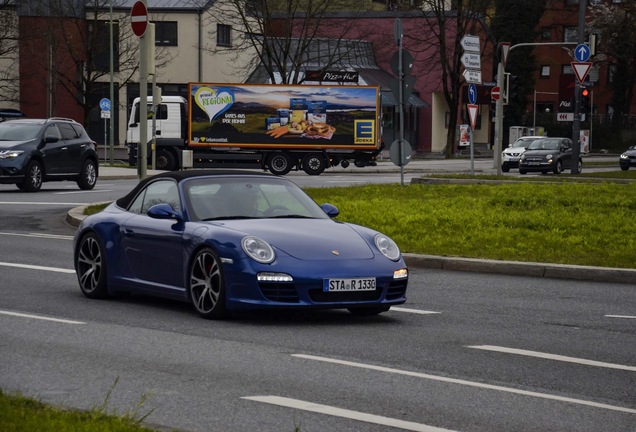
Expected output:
(33, 151)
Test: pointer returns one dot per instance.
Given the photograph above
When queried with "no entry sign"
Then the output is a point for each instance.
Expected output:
(139, 18)
(495, 93)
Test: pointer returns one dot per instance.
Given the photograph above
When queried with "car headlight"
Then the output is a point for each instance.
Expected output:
(624, 156)
(387, 247)
(548, 157)
(523, 157)
(257, 249)
(10, 154)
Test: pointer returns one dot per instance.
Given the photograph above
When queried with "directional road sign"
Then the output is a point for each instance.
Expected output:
(582, 53)
(472, 76)
(472, 93)
(470, 43)
(567, 116)
(139, 18)
(471, 60)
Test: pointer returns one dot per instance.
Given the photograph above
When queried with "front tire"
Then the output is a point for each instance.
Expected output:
(90, 266)
(558, 168)
(522, 171)
(33, 177)
(166, 160)
(206, 285)
(88, 175)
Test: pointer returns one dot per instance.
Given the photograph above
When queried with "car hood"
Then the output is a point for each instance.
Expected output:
(307, 239)
(10, 145)
(528, 153)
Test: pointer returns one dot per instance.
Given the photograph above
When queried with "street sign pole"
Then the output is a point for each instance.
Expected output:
(142, 152)
(399, 37)
(499, 119)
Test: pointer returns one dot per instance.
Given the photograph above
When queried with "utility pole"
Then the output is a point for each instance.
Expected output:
(576, 124)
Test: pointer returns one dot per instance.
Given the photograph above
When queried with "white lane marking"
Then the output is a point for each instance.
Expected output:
(35, 267)
(83, 192)
(556, 357)
(339, 412)
(467, 383)
(36, 235)
(413, 311)
(39, 317)
(42, 203)
(621, 316)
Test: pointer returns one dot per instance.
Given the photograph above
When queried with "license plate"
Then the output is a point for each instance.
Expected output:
(513, 159)
(348, 284)
(534, 163)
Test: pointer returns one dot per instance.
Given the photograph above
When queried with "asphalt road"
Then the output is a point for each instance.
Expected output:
(467, 352)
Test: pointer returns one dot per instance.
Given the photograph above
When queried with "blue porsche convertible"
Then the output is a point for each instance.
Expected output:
(234, 241)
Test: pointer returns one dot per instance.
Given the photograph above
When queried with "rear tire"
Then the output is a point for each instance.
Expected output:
(280, 163)
(33, 177)
(314, 163)
(87, 176)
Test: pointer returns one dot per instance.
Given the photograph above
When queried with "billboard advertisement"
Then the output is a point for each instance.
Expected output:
(278, 116)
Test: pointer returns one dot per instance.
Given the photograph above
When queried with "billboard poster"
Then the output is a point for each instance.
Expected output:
(274, 116)
(464, 135)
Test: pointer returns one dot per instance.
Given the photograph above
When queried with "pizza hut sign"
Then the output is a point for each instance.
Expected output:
(332, 76)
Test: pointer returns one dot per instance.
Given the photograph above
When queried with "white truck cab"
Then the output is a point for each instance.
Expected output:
(169, 120)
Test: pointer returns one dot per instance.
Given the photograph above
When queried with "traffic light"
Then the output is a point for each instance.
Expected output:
(585, 100)
(512, 92)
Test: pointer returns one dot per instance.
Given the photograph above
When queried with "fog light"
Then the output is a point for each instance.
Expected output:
(274, 277)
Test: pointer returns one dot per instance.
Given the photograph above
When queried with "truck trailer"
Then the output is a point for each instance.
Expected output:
(272, 127)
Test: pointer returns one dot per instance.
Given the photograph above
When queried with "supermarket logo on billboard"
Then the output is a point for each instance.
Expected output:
(364, 131)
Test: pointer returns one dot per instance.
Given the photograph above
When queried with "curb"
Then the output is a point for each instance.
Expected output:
(512, 268)
(518, 268)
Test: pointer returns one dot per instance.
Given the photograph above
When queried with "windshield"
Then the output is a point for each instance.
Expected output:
(215, 198)
(522, 143)
(10, 131)
(544, 144)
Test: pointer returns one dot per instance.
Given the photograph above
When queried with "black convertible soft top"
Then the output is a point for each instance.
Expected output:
(178, 176)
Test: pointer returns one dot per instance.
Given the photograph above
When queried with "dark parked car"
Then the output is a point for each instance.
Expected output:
(33, 151)
(230, 240)
(628, 159)
(548, 154)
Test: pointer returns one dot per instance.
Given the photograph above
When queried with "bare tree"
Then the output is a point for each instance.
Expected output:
(446, 23)
(616, 29)
(78, 42)
(280, 39)
(9, 81)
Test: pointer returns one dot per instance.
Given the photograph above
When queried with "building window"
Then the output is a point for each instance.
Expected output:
(570, 34)
(545, 71)
(546, 33)
(166, 33)
(611, 73)
(571, 2)
(223, 35)
(100, 54)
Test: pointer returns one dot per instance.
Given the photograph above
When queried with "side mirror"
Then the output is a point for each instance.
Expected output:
(163, 211)
(51, 139)
(331, 210)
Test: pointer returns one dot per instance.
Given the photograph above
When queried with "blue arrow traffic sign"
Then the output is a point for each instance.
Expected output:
(582, 53)
(104, 104)
(472, 93)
